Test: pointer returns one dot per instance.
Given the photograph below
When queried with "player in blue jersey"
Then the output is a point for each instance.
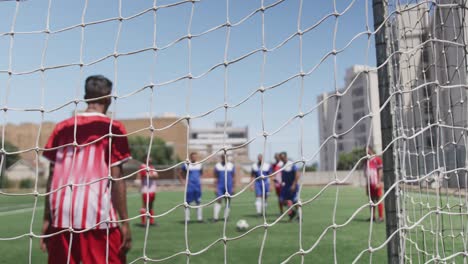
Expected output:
(290, 178)
(224, 173)
(192, 179)
(262, 187)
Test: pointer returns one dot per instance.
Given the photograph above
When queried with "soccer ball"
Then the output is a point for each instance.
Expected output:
(242, 225)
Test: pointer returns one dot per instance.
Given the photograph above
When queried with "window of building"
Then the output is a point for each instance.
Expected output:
(236, 135)
(362, 128)
(358, 91)
(357, 116)
(340, 147)
(358, 104)
(339, 126)
(338, 116)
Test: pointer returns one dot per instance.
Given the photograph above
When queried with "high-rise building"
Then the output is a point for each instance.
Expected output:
(352, 113)
(429, 76)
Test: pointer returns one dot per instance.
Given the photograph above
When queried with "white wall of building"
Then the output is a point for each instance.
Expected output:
(360, 98)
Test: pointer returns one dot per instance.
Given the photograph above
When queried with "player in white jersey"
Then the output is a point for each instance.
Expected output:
(84, 151)
(148, 177)
(224, 172)
(261, 186)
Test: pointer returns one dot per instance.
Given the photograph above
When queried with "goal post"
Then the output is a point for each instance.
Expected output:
(423, 56)
(380, 11)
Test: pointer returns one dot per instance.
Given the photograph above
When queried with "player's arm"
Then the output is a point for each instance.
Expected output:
(182, 174)
(153, 174)
(119, 201)
(270, 176)
(380, 173)
(296, 179)
(233, 180)
(252, 178)
(46, 218)
(215, 173)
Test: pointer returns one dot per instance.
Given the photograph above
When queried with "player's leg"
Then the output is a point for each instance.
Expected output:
(380, 206)
(198, 202)
(258, 197)
(374, 199)
(190, 198)
(227, 209)
(267, 193)
(278, 193)
(152, 197)
(286, 197)
(144, 198)
(294, 201)
(217, 205)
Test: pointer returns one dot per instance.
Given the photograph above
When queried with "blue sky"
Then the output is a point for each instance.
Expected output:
(135, 71)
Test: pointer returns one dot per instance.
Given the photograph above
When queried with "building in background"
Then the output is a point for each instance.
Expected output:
(206, 141)
(429, 72)
(348, 113)
(24, 136)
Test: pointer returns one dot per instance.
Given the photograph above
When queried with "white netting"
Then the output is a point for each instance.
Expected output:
(260, 63)
(428, 41)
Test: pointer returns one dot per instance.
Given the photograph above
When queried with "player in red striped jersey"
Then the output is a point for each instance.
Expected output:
(148, 177)
(84, 191)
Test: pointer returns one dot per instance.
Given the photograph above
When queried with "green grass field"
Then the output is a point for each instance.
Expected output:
(168, 238)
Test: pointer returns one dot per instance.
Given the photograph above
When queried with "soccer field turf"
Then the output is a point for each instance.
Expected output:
(168, 238)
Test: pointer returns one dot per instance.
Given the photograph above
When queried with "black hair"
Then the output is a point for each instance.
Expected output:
(97, 86)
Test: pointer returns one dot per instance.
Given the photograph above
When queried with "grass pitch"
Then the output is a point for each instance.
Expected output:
(168, 238)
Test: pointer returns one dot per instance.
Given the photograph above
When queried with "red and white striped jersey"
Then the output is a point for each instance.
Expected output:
(372, 170)
(148, 185)
(87, 202)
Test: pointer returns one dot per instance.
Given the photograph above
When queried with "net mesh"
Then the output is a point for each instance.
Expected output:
(429, 76)
(426, 44)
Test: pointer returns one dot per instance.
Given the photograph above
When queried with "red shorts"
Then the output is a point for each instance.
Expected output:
(148, 195)
(87, 247)
(376, 192)
(278, 189)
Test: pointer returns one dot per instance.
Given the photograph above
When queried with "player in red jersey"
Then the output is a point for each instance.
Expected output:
(277, 179)
(374, 189)
(85, 197)
(148, 177)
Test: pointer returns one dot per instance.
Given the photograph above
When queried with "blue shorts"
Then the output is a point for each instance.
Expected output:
(221, 190)
(259, 188)
(287, 194)
(194, 195)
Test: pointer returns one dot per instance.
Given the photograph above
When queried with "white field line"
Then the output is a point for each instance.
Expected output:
(39, 208)
(20, 211)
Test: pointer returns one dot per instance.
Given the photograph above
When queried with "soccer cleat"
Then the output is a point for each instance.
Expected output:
(292, 214)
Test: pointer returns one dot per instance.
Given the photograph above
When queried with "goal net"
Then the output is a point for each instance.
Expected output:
(428, 76)
(334, 86)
